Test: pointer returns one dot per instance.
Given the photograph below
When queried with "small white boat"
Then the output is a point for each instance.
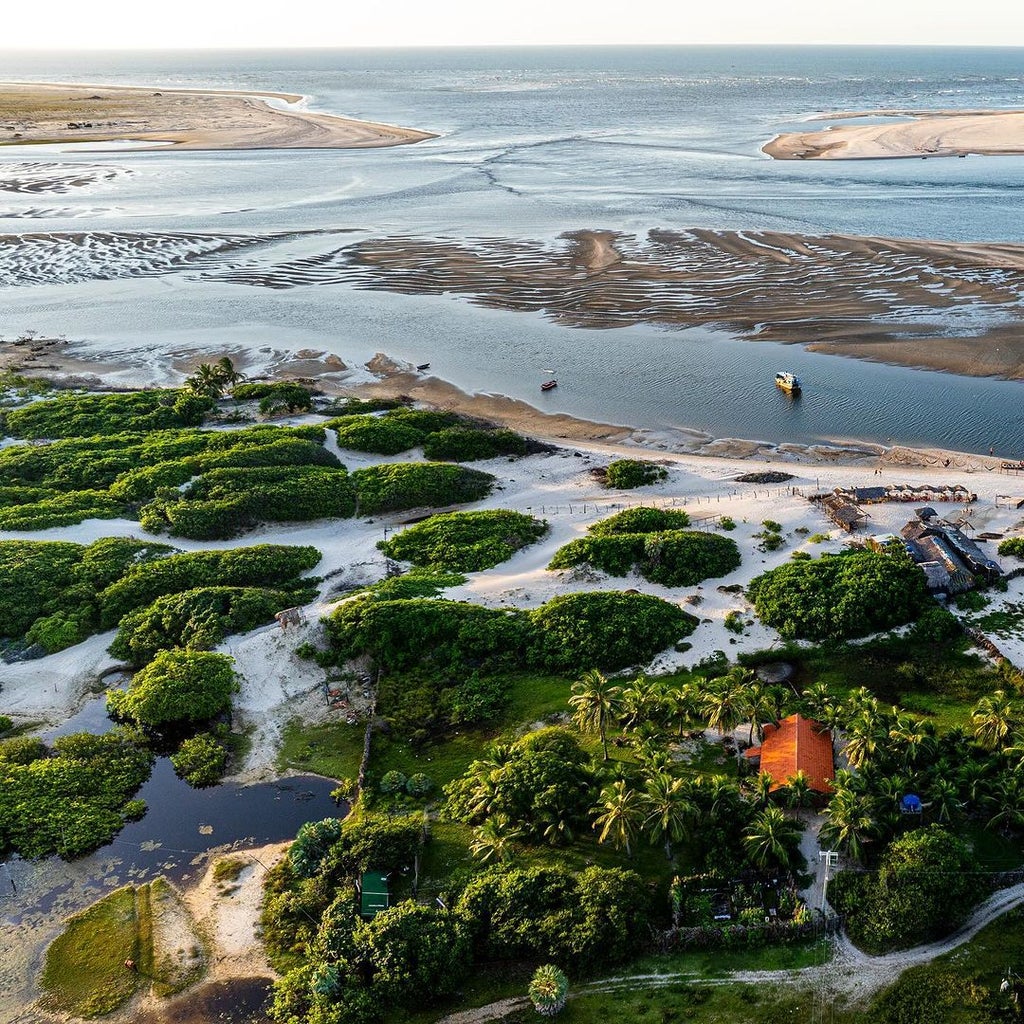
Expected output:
(787, 381)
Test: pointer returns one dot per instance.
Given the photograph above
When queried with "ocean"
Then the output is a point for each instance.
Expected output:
(123, 248)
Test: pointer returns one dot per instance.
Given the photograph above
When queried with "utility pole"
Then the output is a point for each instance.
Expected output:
(830, 857)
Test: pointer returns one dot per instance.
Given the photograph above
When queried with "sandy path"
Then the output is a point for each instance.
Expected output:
(850, 973)
(926, 133)
(186, 118)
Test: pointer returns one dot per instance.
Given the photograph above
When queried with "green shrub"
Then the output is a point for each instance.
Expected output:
(1012, 546)
(627, 474)
(223, 502)
(641, 520)
(6, 725)
(75, 415)
(72, 799)
(597, 917)
(399, 486)
(927, 883)
(465, 541)
(195, 619)
(573, 632)
(201, 760)
(261, 565)
(22, 749)
(607, 629)
(62, 510)
(379, 434)
(734, 622)
(283, 396)
(836, 597)
(727, 523)
(677, 558)
(467, 444)
(175, 688)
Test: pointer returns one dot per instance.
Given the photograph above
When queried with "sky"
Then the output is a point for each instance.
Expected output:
(229, 24)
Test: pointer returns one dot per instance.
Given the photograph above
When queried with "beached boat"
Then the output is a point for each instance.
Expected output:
(548, 385)
(787, 381)
(423, 366)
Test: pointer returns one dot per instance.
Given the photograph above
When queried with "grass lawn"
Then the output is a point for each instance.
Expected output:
(961, 987)
(84, 972)
(682, 1000)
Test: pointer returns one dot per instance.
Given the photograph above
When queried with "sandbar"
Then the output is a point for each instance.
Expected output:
(33, 113)
(923, 133)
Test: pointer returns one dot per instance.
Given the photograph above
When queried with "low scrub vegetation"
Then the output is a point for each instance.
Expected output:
(836, 597)
(626, 474)
(647, 541)
(465, 541)
(406, 485)
(70, 798)
(571, 632)
(1014, 546)
(176, 688)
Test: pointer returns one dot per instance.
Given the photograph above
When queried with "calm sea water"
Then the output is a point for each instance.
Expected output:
(533, 143)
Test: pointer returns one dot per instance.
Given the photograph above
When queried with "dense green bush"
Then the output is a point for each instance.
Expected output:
(201, 760)
(542, 786)
(224, 502)
(468, 444)
(606, 629)
(62, 510)
(175, 688)
(927, 883)
(1012, 546)
(379, 434)
(573, 632)
(641, 520)
(626, 474)
(447, 635)
(465, 541)
(677, 558)
(398, 486)
(283, 396)
(75, 415)
(48, 589)
(591, 919)
(196, 619)
(840, 596)
(73, 799)
(261, 565)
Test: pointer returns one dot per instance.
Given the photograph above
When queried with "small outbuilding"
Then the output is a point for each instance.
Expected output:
(373, 894)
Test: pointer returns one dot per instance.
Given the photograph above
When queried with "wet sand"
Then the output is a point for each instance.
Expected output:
(185, 118)
(925, 133)
(896, 301)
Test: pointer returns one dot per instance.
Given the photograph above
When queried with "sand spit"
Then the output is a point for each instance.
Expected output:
(186, 118)
(925, 133)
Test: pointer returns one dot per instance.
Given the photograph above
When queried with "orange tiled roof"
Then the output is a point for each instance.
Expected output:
(797, 743)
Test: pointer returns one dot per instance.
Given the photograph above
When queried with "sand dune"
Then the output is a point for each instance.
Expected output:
(189, 119)
(925, 133)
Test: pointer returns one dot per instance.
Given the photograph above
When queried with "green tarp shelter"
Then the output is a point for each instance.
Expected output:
(374, 894)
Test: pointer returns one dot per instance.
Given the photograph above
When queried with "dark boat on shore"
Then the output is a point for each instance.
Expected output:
(548, 385)
(423, 366)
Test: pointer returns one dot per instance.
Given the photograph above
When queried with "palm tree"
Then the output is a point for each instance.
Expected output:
(639, 703)
(228, 374)
(761, 788)
(682, 705)
(669, 809)
(798, 789)
(1008, 799)
(595, 701)
(771, 839)
(995, 718)
(945, 798)
(725, 704)
(763, 704)
(494, 840)
(851, 821)
(619, 816)
(819, 700)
